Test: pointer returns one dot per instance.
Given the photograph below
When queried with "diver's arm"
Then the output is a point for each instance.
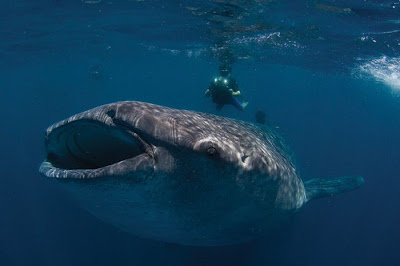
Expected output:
(234, 93)
(234, 87)
(210, 90)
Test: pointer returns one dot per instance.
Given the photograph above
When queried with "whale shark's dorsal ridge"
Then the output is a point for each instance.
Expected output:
(177, 175)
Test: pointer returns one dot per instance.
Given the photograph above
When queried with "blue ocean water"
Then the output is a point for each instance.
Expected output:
(326, 73)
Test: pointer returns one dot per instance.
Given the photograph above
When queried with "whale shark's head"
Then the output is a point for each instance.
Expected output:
(137, 139)
(197, 162)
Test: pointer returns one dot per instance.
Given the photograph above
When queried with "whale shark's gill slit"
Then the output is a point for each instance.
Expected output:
(88, 144)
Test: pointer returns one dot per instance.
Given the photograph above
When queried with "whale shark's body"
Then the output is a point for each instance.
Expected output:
(179, 176)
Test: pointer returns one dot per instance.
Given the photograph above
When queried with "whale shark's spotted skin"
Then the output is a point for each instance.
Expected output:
(177, 175)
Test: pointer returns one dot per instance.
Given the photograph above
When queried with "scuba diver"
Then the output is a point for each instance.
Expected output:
(225, 90)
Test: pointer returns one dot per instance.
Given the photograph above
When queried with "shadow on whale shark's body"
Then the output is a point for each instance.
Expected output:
(179, 176)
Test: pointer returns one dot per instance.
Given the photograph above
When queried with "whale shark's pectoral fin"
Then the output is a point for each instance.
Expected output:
(319, 188)
(138, 166)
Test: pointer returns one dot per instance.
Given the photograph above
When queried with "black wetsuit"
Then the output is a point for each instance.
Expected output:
(221, 94)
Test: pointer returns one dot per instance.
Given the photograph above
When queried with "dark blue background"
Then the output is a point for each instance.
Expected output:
(336, 124)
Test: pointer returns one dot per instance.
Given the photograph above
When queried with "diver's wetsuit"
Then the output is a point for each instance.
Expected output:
(219, 90)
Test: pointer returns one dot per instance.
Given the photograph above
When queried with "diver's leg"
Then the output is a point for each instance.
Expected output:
(235, 102)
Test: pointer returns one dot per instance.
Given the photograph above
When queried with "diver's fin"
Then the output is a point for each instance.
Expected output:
(318, 188)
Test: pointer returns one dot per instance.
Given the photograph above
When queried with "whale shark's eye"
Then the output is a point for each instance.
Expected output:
(211, 151)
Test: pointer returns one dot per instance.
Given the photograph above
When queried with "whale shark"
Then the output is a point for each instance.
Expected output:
(180, 176)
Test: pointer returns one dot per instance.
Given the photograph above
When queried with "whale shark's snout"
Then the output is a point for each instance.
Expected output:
(179, 176)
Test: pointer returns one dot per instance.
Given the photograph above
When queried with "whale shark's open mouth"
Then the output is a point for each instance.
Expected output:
(84, 145)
